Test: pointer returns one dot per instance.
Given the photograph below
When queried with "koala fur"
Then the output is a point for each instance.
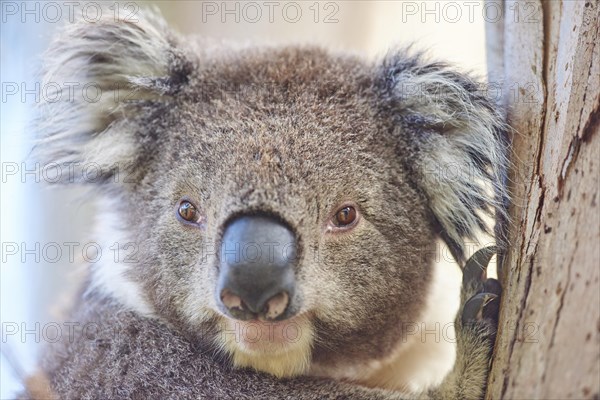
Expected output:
(293, 132)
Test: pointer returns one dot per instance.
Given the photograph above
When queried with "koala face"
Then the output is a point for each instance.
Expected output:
(301, 146)
(284, 203)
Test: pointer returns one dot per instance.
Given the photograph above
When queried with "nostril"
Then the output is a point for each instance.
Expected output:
(231, 301)
(276, 305)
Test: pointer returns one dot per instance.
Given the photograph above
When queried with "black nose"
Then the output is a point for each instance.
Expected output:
(256, 276)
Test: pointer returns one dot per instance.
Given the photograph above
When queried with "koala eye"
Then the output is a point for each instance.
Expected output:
(188, 211)
(345, 216)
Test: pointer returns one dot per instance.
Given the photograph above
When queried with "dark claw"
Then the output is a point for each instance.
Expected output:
(474, 270)
(481, 306)
(491, 309)
(492, 286)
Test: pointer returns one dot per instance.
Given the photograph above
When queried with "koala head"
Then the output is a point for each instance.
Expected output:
(281, 204)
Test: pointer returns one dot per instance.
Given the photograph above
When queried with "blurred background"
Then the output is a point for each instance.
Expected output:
(43, 232)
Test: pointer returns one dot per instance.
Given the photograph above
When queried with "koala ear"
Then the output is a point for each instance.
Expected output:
(100, 77)
(453, 139)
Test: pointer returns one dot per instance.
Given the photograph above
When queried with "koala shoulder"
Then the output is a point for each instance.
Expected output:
(113, 353)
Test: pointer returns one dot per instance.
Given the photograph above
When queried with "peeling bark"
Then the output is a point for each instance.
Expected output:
(549, 335)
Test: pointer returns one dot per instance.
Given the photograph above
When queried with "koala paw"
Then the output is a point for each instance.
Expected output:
(480, 296)
(476, 325)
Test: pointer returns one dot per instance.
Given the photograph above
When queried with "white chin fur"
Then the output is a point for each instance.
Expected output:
(109, 273)
(286, 358)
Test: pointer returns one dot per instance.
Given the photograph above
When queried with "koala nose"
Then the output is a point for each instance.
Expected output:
(256, 276)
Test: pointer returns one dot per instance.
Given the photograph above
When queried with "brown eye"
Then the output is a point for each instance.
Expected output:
(188, 211)
(345, 216)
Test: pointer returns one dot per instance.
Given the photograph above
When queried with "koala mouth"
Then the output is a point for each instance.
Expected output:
(282, 348)
(263, 336)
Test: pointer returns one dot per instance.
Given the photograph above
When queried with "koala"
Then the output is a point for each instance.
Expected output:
(276, 209)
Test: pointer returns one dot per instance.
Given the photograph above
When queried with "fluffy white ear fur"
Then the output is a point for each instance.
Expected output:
(460, 160)
(98, 77)
(95, 74)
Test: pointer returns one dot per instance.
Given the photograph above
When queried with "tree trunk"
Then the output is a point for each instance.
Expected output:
(548, 54)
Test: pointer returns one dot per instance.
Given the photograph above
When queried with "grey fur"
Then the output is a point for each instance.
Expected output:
(120, 355)
(294, 132)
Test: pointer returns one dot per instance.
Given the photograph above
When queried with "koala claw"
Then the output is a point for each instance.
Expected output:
(475, 268)
(480, 295)
(481, 306)
(492, 286)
